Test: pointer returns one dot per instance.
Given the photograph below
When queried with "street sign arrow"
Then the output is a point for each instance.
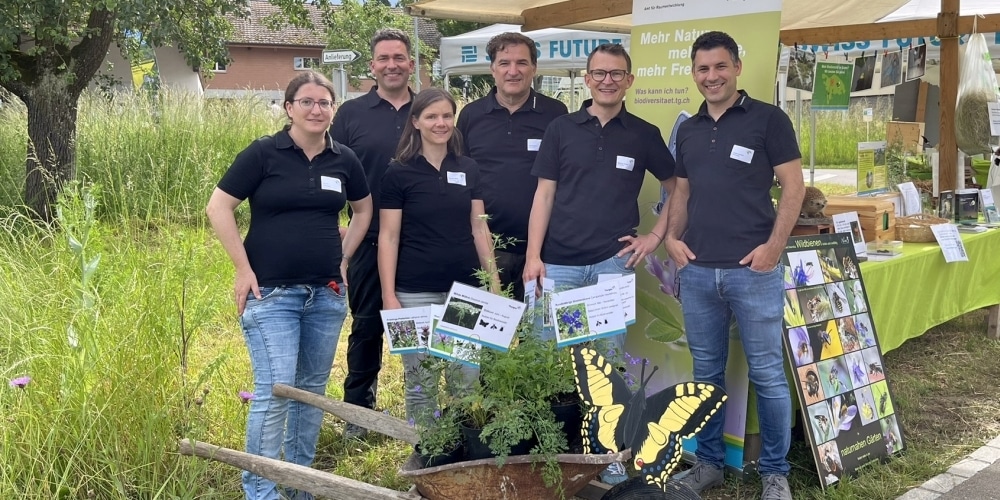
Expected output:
(339, 56)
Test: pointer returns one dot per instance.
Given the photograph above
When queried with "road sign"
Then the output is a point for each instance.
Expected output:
(339, 56)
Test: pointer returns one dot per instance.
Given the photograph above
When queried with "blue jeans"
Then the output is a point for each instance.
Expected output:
(422, 402)
(570, 277)
(292, 334)
(710, 298)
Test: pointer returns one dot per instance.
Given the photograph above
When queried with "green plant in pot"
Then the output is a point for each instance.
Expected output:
(440, 439)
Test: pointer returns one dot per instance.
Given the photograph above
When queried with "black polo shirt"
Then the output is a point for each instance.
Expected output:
(295, 207)
(599, 171)
(435, 237)
(729, 212)
(371, 127)
(504, 145)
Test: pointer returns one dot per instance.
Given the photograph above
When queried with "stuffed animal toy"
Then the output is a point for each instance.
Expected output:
(813, 203)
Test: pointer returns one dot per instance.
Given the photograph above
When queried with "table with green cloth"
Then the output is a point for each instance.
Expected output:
(912, 293)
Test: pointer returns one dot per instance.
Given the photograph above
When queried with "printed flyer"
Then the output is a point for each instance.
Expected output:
(832, 345)
(479, 316)
(588, 313)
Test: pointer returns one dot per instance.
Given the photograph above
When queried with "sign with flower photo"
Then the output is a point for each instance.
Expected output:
(831, 343)
(588, 313)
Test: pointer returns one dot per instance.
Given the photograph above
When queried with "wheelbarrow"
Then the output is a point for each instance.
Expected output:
(519, 478)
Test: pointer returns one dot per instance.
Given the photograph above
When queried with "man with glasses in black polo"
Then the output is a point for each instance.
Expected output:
(590, 168)
(502, 132)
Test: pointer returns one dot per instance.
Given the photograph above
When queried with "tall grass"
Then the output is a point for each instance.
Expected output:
(113, 310)
(839, 132)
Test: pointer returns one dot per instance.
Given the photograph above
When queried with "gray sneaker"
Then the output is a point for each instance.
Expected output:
(352, 431)
(614, 474)
(775, 488)
(701, 477)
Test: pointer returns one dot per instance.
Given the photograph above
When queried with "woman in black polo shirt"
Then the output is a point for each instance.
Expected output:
(432, 229)
(290, 289)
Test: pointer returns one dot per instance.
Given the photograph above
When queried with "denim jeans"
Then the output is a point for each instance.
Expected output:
(420, 387)
(710, 298)
(291, 334)
(570, 277)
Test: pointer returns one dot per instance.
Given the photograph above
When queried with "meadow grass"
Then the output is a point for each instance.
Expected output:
(120, 313)
(839, 132)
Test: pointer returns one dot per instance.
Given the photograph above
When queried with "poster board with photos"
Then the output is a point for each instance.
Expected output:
(832, 345)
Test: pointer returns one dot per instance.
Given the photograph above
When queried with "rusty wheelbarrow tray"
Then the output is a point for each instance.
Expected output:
(520, 477)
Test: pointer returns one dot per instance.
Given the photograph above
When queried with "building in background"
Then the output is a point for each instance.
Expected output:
(264, 61)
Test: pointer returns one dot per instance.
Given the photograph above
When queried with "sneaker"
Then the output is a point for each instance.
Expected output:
(701, 477)
(775, 488)
(352, 431)
(614, 474)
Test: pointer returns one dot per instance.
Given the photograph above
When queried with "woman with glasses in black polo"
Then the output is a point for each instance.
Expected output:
(290, 270)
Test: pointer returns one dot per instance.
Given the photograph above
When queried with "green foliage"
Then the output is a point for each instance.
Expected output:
(351, 25)
(839, 132)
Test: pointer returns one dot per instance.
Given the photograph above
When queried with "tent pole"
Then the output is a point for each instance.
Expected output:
(812, 145)
(572, 90)
(947, 24)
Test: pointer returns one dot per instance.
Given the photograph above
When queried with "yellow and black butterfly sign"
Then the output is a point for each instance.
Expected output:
(616, 418)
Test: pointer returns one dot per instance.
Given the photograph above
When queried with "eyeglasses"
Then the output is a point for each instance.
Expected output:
(308, 103)
(617, 75)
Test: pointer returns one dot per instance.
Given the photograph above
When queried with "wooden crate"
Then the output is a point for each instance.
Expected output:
(910, 135)
(875, 213)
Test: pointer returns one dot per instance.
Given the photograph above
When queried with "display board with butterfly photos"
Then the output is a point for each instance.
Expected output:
(832, 345)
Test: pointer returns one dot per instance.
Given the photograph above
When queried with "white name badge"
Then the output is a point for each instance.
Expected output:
(742, 154)
(625, 163)
(456, 178)
(534, 144)
(330, 184)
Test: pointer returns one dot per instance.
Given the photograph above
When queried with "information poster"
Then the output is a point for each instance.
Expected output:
(664, 93)
(832, 86)
(873, 175)
(832, 345)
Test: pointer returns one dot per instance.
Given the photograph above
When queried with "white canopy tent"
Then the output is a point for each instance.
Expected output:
(561, 52)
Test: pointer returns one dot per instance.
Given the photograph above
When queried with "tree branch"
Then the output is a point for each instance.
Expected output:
(88, 55)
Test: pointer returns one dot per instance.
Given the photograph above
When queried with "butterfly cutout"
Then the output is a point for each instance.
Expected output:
(653, 427)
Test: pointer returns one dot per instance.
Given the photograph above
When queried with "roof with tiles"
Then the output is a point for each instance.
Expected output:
(252, 29)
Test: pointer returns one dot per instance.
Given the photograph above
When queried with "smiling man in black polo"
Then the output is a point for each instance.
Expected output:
(590, 168)
(502, 132)
(371, 126)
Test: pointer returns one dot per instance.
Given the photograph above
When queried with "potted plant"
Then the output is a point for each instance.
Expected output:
(440, 440)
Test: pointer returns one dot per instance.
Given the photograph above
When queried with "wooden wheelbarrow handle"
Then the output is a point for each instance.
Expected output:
(358, 415)
(295, 476)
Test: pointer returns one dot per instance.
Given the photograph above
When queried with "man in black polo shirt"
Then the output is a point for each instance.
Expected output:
(502, 132)
(727, 242)
(371, 126)
(590, 168)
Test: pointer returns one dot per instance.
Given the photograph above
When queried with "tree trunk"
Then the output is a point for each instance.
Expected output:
(52, 108)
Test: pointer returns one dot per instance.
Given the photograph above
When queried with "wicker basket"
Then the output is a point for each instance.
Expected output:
(917, 228)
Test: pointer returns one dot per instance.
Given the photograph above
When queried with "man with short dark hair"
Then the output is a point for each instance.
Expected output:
(590, 169)
(371, 126)
(503, 132)
(727, 242)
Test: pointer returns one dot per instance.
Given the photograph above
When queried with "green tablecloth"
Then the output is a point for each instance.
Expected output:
(918, 290)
